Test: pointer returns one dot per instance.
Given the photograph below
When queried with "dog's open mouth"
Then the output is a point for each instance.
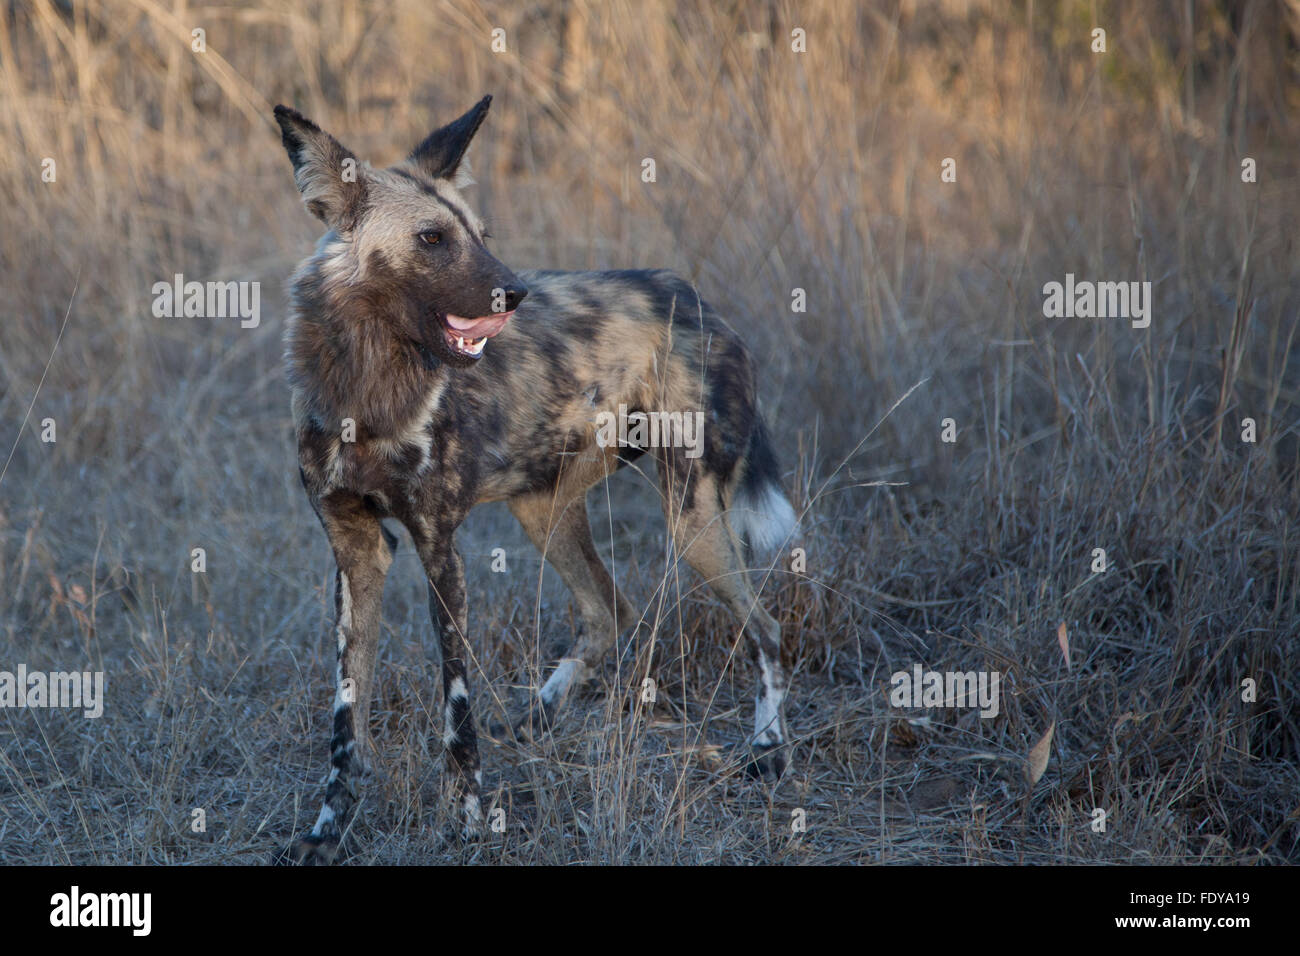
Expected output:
(468, 336)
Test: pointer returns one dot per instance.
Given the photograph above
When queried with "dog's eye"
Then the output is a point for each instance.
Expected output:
(431, 238)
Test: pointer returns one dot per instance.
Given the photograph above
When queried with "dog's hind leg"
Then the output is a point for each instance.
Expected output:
(363, 553)
(703, 536)
(562, 533)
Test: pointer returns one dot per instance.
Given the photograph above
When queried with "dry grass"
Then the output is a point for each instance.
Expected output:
(775, 171)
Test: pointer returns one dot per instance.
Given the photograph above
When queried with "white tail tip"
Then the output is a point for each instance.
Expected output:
(765, 520)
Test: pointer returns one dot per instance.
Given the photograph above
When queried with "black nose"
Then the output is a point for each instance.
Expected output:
(514, 295)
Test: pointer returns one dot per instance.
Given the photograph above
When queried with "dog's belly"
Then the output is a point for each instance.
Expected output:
(557, 460)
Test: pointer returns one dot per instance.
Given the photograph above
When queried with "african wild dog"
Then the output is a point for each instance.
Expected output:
(389, 338)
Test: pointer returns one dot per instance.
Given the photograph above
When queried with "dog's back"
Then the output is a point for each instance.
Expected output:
(591, 348)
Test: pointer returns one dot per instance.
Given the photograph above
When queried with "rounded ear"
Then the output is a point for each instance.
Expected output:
(441, 152)
(327, 173)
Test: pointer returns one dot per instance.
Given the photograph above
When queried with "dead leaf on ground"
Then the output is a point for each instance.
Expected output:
(1038, 756)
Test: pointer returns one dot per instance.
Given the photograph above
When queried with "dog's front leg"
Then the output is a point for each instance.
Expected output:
(448, 609)
(363, 556)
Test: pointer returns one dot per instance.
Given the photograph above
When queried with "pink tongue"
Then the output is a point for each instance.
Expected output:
(488, 325)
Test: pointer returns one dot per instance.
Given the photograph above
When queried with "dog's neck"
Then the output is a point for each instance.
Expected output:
(430, 361)
(346, 357)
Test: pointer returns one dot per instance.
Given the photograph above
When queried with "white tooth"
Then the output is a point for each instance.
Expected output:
(460, 343)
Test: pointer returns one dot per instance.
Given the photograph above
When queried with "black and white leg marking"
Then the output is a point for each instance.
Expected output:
(447, 608)
(768, 743)
(363, 555)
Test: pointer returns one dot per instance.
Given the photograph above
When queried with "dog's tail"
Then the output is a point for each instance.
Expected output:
(760, 511)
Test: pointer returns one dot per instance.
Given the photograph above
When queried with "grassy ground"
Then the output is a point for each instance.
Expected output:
(776, 170)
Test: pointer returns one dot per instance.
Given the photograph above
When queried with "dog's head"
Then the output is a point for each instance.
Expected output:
(408, 230)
